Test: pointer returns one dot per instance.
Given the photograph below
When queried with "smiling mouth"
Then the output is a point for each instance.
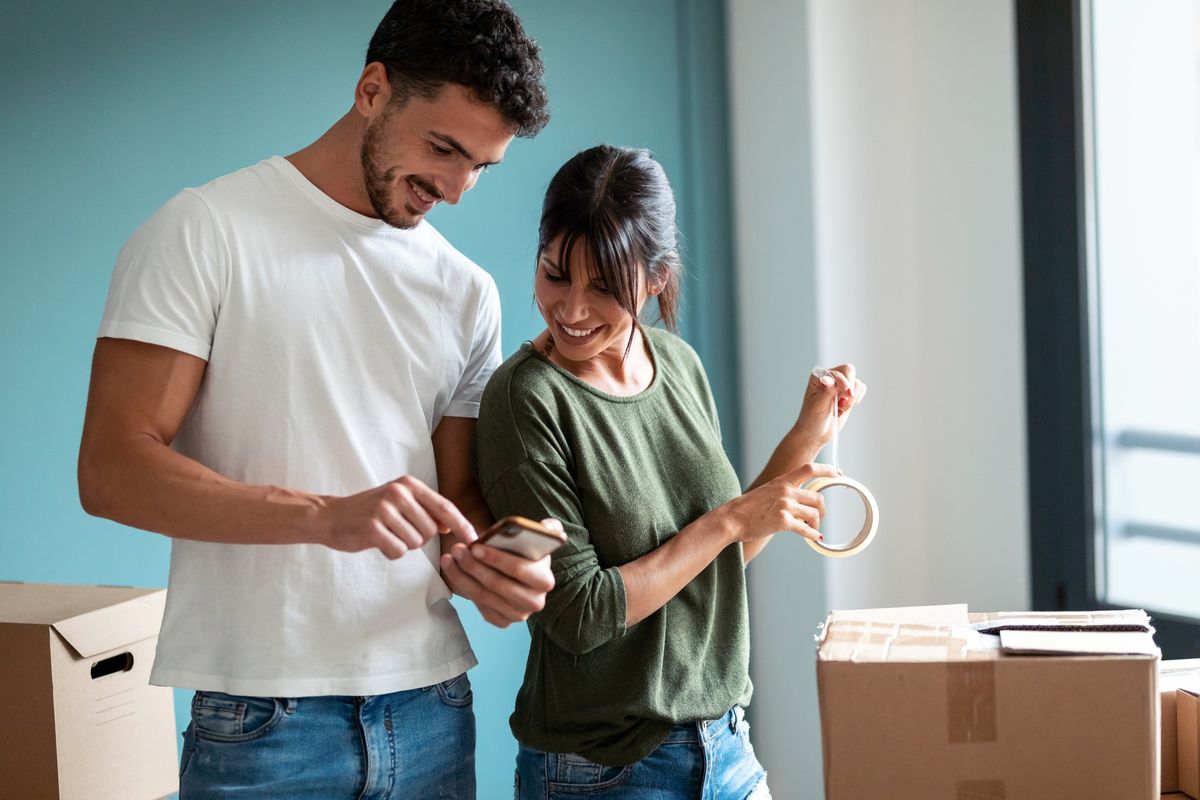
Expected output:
(427, 200)
(578, 333)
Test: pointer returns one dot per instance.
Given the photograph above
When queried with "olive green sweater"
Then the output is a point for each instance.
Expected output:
(624, 474)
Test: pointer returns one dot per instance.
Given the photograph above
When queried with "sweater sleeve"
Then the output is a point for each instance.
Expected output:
(586, 608)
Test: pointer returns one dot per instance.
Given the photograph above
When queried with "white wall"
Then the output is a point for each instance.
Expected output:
(876, 164)
(772, 179)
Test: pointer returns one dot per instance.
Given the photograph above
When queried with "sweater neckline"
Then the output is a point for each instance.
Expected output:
(651, 389)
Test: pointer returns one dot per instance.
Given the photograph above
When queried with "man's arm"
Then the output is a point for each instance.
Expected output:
(452, 442)
(139, 396)
(505, 587)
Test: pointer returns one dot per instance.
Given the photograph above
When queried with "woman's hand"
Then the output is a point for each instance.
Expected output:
(827, 387)
(777, 505)
(505, 587)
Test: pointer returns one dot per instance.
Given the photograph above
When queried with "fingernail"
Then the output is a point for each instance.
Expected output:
(820, 538)
(477, 551)
(828, 381)
(457, 553)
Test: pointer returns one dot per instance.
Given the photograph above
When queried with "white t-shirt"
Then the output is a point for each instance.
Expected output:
(335, 344)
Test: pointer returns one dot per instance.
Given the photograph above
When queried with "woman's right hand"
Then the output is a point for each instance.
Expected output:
(778, 505)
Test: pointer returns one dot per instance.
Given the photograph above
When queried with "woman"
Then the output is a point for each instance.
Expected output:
(637, 671)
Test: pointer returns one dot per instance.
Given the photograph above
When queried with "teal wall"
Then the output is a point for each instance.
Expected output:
(108, 109)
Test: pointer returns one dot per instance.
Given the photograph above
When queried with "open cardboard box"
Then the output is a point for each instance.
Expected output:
(78, 718)
(922, 703)
(1187, 714)
(1173, 675)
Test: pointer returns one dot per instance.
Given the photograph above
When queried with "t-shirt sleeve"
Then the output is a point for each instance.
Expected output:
(482, 359)
(169, 278)
(586, 607)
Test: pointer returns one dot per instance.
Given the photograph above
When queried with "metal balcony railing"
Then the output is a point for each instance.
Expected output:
(1131, 439)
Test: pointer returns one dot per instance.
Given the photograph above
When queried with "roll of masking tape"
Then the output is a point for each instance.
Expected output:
(870, 523)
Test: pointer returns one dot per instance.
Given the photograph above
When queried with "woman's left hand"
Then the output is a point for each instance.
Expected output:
(827, 387)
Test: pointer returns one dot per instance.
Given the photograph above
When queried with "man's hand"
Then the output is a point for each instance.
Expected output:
(506, 588)
(394, 518)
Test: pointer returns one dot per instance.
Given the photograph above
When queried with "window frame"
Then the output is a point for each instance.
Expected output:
(1057, 211)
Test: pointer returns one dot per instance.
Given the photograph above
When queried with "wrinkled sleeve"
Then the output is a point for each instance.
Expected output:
(169, 279)
(483, 358)
(586, 608)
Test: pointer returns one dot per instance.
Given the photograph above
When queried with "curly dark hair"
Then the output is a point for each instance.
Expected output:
(479, 44)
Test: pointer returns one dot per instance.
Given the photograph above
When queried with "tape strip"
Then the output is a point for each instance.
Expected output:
(979, 790)
(971, 702)
(870, 523)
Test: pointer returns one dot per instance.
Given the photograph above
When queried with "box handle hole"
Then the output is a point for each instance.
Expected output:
(107, 666)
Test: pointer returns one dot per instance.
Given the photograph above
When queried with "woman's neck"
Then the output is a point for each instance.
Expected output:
(607, 371)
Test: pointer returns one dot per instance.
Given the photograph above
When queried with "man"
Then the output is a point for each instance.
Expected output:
(290, 360)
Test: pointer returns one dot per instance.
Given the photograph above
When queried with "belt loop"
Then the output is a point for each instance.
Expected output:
(289, 705)
(733, 720)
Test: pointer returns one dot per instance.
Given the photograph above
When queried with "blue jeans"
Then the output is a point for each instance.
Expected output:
(711, 760)
(411, 744)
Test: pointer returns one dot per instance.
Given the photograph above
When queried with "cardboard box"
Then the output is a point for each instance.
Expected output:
(920, 703)
(1187, 717)
(1171, 676)
(78, 718)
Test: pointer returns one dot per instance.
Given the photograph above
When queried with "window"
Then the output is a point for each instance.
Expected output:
(1110, 137)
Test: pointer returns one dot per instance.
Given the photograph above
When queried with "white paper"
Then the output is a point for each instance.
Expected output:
(1078, 642)
(917, 615)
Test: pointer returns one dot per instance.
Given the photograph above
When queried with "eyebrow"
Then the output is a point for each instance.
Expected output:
(462, 151)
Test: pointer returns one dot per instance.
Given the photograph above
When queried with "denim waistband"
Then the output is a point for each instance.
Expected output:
(703, 730)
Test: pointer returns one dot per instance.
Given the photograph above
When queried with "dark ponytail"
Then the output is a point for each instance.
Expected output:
(619, 203)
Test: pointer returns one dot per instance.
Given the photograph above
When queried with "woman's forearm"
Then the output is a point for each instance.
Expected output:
(653, 579)
(792, 452)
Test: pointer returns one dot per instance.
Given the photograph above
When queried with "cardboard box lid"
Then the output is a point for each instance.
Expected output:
(949, 633)
(92, 619)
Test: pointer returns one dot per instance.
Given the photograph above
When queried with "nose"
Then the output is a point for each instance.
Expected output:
(457, 184)
(574, 307)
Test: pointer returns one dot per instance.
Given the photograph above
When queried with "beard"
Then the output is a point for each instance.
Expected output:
(379, 180)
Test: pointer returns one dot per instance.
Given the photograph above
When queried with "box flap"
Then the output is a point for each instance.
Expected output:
(48, 603)
(1077, 642)
(888, 641)
(1188, 685)
(113, 626)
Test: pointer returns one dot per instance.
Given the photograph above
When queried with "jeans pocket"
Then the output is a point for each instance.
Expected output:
(189, 747)
(233, 718)
(456, 691)
(743, 731)
(573, 772)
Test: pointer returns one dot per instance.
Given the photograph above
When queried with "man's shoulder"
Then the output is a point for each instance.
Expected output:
(233, 196)
(237, 184)
(453, 261)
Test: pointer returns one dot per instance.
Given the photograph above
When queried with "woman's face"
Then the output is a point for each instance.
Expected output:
(585, 320)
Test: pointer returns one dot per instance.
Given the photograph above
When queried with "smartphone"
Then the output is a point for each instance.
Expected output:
(522, 536)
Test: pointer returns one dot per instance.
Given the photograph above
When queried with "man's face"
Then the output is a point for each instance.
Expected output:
(424, 152)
